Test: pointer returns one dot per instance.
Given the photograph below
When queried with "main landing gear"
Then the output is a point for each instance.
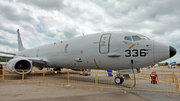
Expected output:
(119, 79)
(57, 70)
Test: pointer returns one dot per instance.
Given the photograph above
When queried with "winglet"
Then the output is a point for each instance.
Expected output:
(20, 45)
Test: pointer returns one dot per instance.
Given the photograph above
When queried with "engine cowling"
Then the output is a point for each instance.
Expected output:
(18, 64)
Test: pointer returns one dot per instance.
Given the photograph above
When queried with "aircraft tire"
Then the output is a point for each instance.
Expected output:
(119, 80)
(57, 70)
(126, 75)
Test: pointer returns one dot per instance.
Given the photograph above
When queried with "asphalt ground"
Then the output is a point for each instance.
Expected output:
(12, 90)
(31, 91)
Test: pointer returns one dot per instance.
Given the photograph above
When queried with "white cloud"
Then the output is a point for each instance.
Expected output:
(41, 22)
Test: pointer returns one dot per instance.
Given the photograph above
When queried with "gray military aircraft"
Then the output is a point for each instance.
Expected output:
(113, 50)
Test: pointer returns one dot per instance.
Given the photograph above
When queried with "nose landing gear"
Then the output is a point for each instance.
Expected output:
(119, 79)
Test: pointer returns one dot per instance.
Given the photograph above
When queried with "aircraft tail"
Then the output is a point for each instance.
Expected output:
(20, 45)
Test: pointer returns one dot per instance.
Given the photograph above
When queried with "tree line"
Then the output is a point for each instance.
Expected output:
(3, 60)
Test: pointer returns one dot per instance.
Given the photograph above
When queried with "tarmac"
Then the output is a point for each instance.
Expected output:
(12, 90)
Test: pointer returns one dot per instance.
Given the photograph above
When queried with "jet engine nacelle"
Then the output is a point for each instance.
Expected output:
(18, 64)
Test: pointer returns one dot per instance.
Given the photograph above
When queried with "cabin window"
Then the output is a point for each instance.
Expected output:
(136, 38)
(128, 38)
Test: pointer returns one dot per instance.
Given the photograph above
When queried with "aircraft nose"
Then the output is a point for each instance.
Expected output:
(162, 52)
(172, 51)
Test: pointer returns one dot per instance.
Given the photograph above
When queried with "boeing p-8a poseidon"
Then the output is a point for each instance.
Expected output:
(107, 51)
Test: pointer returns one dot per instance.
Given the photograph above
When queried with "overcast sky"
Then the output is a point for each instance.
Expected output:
(42, 22)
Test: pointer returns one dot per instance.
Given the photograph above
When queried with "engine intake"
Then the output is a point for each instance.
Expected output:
(19, 64)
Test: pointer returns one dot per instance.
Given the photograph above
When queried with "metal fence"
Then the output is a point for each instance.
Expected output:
(166, 82)
(1, 75)
(50, 77)
(160, 71)
(167, 72)
(34, 76)
(11, 76)
(178, 83)
(163, 84)
(77, 78)
(104, 81)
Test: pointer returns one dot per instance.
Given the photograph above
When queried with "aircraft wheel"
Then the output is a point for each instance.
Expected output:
(126, 75)
(119, 80)
(57, 70)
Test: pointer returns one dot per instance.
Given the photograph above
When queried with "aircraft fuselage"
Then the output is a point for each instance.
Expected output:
(107, 50)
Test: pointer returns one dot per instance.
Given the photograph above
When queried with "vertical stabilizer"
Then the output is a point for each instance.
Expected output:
(20, 45)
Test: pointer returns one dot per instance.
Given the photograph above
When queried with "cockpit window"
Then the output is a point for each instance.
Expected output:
(128, 38)
(144, 38)
(136, 38)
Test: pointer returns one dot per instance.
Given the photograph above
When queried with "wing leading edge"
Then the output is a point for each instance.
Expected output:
(6, 55)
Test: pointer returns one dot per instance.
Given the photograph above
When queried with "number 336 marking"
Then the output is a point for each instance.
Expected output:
(136, 53)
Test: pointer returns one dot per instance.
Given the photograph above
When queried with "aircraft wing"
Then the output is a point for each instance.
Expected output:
(6, 55)
(35, 60)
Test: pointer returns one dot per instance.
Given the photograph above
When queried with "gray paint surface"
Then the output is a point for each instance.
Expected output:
(106, 50)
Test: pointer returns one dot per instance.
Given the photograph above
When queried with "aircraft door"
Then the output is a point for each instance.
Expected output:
(104, 43)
